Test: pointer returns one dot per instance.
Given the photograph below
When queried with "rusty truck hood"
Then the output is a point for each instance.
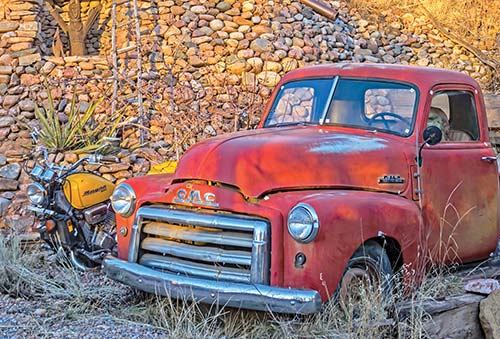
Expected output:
(274, 159)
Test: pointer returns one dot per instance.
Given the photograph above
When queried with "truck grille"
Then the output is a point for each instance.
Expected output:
(215, 246)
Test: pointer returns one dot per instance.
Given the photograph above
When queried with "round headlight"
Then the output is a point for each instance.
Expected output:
(36, 193)
(303, 223)
(123, 200)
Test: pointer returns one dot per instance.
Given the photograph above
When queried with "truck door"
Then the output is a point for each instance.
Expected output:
(459, 180)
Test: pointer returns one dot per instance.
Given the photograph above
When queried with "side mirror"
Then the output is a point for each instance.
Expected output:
(432, 135)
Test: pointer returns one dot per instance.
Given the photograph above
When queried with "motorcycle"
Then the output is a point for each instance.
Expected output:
(73, 210)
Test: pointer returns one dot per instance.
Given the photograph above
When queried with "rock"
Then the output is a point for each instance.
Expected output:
(272, 66)
(216, 25)
(85, 65)
(7, 121)
(26, 60)
(113, 168)
(423, 62)
(4, 133)
(223, 6)
(362, 23)
(240, 21)
(269, 79)
(70, 73)
(8, 102)
(47, 67)
(83, 106)
(8, 26)
(29, 26)
(70, 158)
(235, 65)
(233, 11)
(27, 105)
(172, 31)
(177, 10)
(248, 79)
(262, 29)
(246, 54)
(4, 205)
(3, 160)
(6, 59)
(482, 286)
(388, 59)
(196, 61)
(10, 171)
(203, 31)
(122, 174)
(261, 45)
(8, 184)
(29, 79)
(5, 70)
(489, 315)
(20, 46)
(256, 64)
(201, 40)
(199, 9)
(248, 7)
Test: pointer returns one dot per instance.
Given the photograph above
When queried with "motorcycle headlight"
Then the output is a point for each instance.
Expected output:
(303, 223)
(123, 200)
(36, 193)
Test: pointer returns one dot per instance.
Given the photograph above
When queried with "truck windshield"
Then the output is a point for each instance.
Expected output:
(360, 103)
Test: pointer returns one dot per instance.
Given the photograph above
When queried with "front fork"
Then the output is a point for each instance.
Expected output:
(57, 233)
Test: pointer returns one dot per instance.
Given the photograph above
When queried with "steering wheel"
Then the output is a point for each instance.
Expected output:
(381, 117)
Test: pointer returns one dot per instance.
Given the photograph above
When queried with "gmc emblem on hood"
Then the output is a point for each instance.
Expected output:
(194, 197)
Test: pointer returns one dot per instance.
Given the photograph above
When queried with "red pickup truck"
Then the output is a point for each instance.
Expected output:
(354, 172)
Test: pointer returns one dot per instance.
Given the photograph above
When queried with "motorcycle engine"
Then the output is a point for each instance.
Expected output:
(102, 218)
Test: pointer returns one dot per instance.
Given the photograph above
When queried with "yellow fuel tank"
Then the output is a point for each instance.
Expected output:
(86, 189)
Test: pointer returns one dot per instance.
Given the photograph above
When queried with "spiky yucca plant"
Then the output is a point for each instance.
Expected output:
(81, 133)
(57, 136)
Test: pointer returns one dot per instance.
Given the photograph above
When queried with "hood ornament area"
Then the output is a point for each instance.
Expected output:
(195, 197)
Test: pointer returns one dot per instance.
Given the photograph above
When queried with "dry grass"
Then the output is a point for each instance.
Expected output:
(26, 273)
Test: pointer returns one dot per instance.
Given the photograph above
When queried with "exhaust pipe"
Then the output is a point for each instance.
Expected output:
(322, 8)
(77, 263)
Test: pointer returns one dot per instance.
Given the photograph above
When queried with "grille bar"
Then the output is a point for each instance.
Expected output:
(190, 268)
(240, 223)
(200, 235)
(209, 254)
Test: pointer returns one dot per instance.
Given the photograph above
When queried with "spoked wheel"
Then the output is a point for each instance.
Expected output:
(367, 278)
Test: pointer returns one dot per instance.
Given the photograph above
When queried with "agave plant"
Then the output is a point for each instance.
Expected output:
(81, 133)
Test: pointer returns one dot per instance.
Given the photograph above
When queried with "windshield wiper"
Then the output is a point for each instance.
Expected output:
(293, 123)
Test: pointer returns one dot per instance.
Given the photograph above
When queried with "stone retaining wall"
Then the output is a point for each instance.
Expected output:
(209, 68)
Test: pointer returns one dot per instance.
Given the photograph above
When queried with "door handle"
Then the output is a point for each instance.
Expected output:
(489, 159)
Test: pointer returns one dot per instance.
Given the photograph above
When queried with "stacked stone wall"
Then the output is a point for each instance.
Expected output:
(209, 67)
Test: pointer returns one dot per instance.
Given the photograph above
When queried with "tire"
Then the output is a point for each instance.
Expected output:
(368, 268)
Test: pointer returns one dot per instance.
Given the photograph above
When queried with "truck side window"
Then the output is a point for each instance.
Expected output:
(455, 113)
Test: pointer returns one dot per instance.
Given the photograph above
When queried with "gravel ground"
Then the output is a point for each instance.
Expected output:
(31, 319)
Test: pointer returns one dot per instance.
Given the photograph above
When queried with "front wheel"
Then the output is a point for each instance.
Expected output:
(368, 275)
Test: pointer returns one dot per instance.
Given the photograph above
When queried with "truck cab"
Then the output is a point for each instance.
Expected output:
(338, 183)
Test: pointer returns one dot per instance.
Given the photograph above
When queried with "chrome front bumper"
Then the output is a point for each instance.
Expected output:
(239, 295)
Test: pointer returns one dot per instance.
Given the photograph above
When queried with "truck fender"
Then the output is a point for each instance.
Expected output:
(347, 220)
